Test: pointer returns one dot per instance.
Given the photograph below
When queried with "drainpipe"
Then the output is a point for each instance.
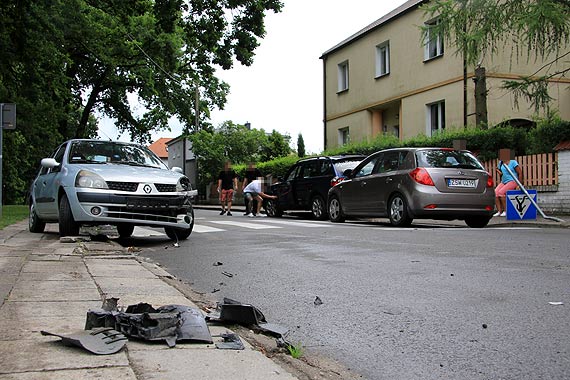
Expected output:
(324, 103)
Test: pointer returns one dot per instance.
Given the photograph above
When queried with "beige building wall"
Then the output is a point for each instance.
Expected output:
(399, 99)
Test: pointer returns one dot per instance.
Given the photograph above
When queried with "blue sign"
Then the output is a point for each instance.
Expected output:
(519, 206)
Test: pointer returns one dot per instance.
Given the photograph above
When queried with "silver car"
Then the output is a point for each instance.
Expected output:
(408, 183)
(95, 182)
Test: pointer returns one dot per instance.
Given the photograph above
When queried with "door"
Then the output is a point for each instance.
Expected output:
(355, 192)
(46, 188)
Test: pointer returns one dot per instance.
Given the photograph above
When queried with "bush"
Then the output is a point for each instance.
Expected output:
(547, 134)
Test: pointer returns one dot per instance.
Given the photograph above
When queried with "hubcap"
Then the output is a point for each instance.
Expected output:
(334, 209)
(397, 209)
(317, 207)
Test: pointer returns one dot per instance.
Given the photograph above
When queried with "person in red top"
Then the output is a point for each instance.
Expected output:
(227, 184)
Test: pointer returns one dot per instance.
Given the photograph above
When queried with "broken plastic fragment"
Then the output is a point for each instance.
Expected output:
(556, 303)
(231, 342)
(101, 341)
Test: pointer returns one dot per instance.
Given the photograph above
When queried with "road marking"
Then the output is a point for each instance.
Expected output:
(205, 229)
(299, 224)
(141, 231)
(253, 226)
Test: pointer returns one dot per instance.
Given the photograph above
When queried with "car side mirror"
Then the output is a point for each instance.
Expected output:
(347, 173)
(49, 163)
(280, 179)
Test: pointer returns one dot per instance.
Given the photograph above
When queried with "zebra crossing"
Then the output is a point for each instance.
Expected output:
(202, 225)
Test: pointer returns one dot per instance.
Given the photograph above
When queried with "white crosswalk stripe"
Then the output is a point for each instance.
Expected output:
(203, 229)
(299, 224)
(253, 226)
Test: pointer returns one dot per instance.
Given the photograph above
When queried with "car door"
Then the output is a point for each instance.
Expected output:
(303, 186)
(385, 181)
(46, 187)
(354, 192)
(286, 197)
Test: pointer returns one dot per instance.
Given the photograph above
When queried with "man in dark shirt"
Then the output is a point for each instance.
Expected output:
(251, 174)
(227, 183)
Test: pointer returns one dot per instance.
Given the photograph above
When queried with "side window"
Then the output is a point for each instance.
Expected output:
(58, 156)
(311, 169)
(367, 168)
(390, 162)
(326, 167)
(293, 174)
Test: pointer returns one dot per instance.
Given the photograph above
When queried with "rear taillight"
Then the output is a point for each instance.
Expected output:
(490, 182)
(336, 180)
(421, 176)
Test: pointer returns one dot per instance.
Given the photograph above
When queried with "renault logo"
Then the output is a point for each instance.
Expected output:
(147, 189)
(460, 173)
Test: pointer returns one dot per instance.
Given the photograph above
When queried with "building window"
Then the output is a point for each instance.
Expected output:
(343, 136)
(434, 42)
(435, 118)
(343, 76)
(383, 59)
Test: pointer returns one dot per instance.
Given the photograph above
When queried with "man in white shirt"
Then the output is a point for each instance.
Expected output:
(254, 190)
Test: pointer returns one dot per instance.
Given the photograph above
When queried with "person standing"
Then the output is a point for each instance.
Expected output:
(255, 191)
(507, 183)
(251, 173)
(227, 183)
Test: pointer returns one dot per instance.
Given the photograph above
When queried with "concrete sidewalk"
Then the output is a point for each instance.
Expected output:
(49, 285)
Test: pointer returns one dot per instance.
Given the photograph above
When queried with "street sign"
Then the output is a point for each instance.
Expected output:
(8, 115)
(519, 205)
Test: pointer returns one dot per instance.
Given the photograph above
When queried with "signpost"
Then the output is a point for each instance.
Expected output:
(7, 121)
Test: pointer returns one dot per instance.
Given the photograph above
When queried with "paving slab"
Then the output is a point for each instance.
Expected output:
(154, 300)
(19, 310)
(118, 268)
(176, 364)
(41, 266)
(119, 287)
(54, 291)
(49, 354)
(155, 269)
(30, 328)
(123, 373)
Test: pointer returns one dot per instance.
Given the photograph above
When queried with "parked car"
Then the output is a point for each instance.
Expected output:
(307, 182)
(95, 182)
(409, 183)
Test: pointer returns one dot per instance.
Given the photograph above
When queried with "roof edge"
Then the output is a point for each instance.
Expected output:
(408, 6)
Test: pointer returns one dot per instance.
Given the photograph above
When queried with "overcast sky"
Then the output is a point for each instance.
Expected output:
(283, 88)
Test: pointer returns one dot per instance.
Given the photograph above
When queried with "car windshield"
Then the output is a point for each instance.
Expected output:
(447, 158)
(341, 166)
(102, 152)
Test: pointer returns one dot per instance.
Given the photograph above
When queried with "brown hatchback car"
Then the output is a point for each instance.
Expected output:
(408, 183)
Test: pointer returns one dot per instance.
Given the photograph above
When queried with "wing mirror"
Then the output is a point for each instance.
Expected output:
(347, 173)
(49, 163)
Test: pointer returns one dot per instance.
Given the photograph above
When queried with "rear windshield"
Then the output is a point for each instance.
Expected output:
(341, 166)
(443, 158)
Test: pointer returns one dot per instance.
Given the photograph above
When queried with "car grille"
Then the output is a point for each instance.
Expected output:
(133, 186)
(123, 186)
(167, 216)
(165, 188)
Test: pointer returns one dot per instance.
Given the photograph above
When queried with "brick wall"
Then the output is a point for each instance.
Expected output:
(558, 202)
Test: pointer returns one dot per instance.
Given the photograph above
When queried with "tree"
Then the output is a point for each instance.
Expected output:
(64, 61)
(236, 143)
(537, 29)
(300, 146)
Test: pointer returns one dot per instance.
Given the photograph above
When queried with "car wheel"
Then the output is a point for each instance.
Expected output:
(398, 212)
(477, 221)
(177, 234)
(67, 225)
(318, 208)
(335, 210)
(35, 224)
(125, 230)
(272, 209)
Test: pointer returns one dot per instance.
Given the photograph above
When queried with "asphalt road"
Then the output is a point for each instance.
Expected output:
(428, 302)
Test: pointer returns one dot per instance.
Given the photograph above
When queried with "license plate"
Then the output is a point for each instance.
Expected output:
(466, 183)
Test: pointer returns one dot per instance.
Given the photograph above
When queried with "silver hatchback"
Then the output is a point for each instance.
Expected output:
(408, 183)
(97, 182)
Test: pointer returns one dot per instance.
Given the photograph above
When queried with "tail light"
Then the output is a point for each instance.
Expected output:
(336, 180)
(421, 176)
(490, 182)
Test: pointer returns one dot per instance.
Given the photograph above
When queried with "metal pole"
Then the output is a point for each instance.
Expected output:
(529, 197)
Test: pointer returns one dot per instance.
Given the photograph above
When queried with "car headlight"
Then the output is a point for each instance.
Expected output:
(183, 184)
(90, 180)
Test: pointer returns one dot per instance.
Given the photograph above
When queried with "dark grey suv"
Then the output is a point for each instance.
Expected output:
(306, 184)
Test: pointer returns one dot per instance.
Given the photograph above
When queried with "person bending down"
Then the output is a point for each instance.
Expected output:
(254, 190)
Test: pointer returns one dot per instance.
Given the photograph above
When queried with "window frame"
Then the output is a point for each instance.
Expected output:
(343, 136)
(343, 77)
(439, 108)
(430, 40)
(382, 60)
